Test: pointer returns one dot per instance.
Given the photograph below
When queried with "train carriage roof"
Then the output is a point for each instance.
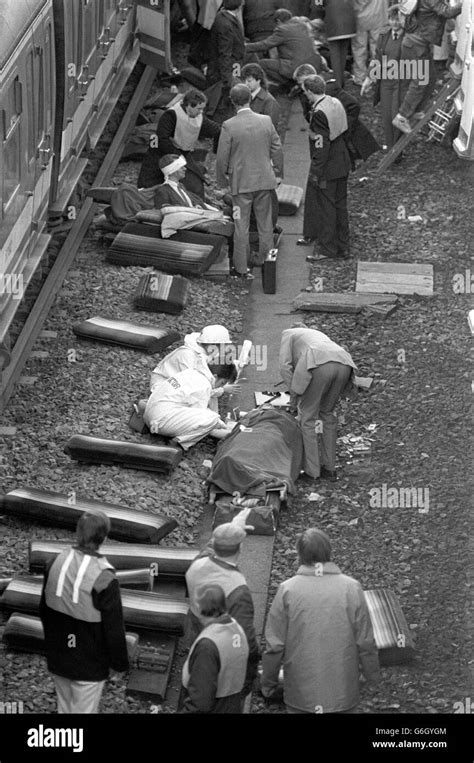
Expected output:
(15, 18)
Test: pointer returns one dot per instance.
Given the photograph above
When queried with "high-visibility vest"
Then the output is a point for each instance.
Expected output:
(231, 643)
(205, 572)
(70, 582)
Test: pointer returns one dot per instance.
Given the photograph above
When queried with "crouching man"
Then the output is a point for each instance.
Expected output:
(178, 406)
(214, 673)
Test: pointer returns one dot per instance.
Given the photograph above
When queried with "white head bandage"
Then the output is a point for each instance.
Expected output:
(174, 166)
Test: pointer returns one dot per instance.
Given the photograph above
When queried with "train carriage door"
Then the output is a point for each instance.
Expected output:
(40, 83)
(153, 21)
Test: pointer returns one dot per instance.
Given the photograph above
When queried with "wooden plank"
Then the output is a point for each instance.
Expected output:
(395, 278)
(58, 272)
(405, 268)
(417, 288)
(348, 302)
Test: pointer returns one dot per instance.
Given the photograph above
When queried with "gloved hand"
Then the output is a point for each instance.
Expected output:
(231, 389)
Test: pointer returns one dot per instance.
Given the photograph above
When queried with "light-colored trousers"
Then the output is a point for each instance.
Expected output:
(261, 202)
(78, 696)
(363, 41)
(316, 404)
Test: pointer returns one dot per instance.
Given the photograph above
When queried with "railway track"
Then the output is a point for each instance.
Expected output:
(67, 253)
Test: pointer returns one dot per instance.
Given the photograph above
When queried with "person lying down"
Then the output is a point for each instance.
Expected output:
(178, 405)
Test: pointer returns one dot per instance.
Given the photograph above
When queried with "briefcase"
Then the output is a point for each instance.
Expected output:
(269, 272)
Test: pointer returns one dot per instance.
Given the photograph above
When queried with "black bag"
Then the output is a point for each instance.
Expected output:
(261, 518)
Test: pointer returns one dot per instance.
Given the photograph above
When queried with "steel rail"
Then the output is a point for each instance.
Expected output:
(68, 251)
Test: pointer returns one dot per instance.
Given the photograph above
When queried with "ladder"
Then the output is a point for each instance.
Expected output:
(433, 106)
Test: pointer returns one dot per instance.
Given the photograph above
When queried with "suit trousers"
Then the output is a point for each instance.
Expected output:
(391, 96)
(78, 696)
(364, 41)
(317, 404)
(419, 56)
(338, 50)
(330, 213)
(261, 203)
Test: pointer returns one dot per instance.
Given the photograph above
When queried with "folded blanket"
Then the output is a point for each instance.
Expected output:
(181, 218)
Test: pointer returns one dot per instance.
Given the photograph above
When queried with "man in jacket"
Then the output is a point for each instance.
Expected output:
(423, 29)
(249, 159)
(371, 18)
(261, 101)
(329, 170)
(258, 16)
(214, 672)
(218, 564)
(294, 45)
(179, 129)
(317, 372)
(81, 611)
(226, 52)
(319, 630)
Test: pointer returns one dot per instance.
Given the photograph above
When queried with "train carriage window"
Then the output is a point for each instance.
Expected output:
(89, 34)
(11, 141)
(40, 114)
(30, 90)
(48, 85)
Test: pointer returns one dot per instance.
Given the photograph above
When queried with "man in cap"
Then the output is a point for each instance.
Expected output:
(218, 565)
(81, 611)
(319, 629)
(215, 670)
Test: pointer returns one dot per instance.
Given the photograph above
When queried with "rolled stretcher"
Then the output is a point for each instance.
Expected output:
(126, 334)
(187, 252)
(57, 509)
(170, 562)
(141, 609)
(25, 633)
(391, 631)
(160, 293)
(132, 455)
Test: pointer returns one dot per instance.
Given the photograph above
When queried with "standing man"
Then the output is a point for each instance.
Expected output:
(218, 565)
(81, 611)
(340, 21)
(319, 629)
(423, 29)
(329, 170)
(249, 159)
(214, 673)
(317, 372)
(261, 101)
(226, 51)
(371, 18)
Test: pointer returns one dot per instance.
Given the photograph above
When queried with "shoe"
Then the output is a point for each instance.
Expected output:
(243, 276)
(402, 123)
(304, 241)
(328, 474)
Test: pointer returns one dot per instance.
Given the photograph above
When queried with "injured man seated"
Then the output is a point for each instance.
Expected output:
(178, 405)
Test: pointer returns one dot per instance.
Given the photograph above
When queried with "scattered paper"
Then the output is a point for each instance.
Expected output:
(315, 497)
(415, 219)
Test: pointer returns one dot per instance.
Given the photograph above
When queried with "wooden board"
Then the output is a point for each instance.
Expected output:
(348, 302)
(394, 278)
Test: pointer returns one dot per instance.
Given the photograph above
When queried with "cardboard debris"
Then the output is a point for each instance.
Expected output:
(348, 302)
(363, 382)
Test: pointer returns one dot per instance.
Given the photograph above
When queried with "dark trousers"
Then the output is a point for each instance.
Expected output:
(392, 94)
(338, 50)
(423, 82)
(330, 212)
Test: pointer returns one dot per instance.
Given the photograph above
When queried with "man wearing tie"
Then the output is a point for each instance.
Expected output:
(172, 192)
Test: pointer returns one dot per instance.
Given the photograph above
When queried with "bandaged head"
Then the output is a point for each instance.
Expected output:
(174, 166)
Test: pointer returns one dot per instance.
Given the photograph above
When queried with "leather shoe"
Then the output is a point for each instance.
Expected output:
(304, 241)
(328, 474)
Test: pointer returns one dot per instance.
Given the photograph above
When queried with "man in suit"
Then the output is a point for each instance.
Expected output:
(329, 170)
(226, 53)
(261, 101)
(249, 159)
(340, 21)
(294, 45)
(317, 372)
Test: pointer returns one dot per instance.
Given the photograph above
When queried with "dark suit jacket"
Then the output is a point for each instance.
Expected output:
(295, 47)
(226, 48)
(360, 141)
(265, 103)
(339, 18)
(167, 196)
(330, 161)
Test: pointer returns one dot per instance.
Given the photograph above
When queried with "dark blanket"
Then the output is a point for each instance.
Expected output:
(269, 455)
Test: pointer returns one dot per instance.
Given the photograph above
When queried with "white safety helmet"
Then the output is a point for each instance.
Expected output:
(214, 335)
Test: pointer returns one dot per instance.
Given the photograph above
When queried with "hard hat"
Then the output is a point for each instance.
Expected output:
(214, 335)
